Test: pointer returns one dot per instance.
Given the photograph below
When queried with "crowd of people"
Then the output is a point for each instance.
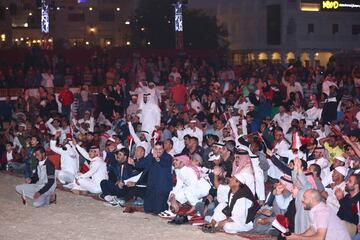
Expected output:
(231, 148)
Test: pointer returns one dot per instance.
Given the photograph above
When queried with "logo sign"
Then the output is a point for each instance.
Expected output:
(340, 5)
(330, 4)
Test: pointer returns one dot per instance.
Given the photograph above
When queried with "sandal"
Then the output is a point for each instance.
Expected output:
(208, 229)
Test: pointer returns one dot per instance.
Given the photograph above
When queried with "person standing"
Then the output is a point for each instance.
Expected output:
(66, 98)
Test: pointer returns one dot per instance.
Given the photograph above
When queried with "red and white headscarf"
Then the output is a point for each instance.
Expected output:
(242, 162)
(188, 163)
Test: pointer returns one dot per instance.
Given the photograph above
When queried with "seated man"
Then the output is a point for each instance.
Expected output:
(9, 159)
(324, 224)
(90, 181)
(69, 161)
(157, 172)
(238, 213)
(41, 186)
(348, 202)
(190, 186)
(122, 171)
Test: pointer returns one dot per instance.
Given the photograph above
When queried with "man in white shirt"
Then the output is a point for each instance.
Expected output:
(242, 105)
(283, 119)
(54, 127)
(193, 131)
(281, 148)
(312, 114)
(291, 85)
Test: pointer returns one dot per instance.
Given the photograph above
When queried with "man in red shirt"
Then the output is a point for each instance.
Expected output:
(178, 94)
(66, 98)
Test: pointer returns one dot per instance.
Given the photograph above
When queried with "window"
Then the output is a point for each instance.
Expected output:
(76, 17)
(355, 29)
(310, 28)
(335, 28)
(106, 16)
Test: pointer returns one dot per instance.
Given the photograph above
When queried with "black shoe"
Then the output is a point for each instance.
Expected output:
(101, 196)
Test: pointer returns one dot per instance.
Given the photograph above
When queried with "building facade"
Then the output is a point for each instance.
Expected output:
(72, 22)
(285, 30)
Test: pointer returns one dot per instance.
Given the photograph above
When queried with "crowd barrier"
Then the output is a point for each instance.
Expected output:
(15, 92)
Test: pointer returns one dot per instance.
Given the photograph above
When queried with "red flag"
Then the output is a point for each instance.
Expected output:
(282, 220)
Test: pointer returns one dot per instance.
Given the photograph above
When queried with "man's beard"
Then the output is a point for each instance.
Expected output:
(307, 207)
(349, 189)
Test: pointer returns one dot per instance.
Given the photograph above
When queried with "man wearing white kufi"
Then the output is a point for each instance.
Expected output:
(338, 161)
(140, 141)
(90, 181)
(69, 161)
(237, 214)
(339, 184)
(150, 115)
(190, 187)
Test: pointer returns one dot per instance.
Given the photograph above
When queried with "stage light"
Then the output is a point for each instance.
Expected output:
(118, 9)
(127, 22)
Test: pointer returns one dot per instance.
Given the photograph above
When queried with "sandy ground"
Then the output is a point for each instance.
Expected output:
(78, 217)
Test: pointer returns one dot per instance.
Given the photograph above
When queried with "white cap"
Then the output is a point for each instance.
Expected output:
(342, 170)
(240, 177)
(213, 157)
(340, 158)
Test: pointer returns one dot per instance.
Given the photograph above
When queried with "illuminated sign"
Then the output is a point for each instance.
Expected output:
(330, 5)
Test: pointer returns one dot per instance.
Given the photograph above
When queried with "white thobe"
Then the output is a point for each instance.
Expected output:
(198, 133)
(150, 117)
(90, 181)
(248, 174)
(238, 215)
(69, 162)
(312, 114)
(189, 188)
(332, 201)
(242, 107)
(281, 150)
(54, 130)
(283, 120)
